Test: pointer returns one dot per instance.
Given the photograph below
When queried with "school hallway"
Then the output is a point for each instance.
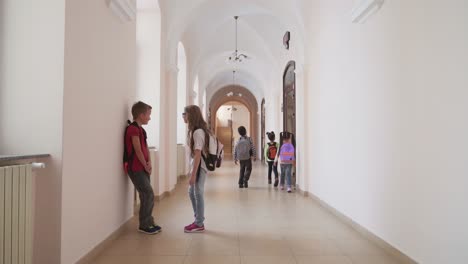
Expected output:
(257, 225)
(374, 92)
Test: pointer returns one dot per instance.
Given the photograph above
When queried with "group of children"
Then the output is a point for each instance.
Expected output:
(137, 163)
(282, 153)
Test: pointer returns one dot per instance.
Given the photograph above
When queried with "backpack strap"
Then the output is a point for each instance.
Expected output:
(131, 155)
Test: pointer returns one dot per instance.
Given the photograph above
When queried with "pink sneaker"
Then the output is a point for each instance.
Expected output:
(282, 187)
(194, 228)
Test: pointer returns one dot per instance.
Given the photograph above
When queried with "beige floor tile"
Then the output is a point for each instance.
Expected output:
(323, 260)
(122, 248)
(212, 260)
(264, 247)
(202, 245)
(139, 260)
(169, 247)
(260, 224)
(268, 260)
(382, 259)
(358, 247)
(314, 247)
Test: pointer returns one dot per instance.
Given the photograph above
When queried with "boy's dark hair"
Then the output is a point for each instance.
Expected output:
(242, 131)
(139, 108)
(271, 135)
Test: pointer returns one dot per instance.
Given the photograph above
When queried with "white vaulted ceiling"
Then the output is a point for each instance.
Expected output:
(207, 27)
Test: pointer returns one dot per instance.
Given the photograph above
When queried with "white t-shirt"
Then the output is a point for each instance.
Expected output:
(198, 144)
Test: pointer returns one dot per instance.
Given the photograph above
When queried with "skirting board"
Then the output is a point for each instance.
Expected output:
(104, 244)
(389, 249)
(92, 255)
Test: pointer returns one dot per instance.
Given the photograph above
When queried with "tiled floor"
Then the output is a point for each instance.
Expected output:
(244, 226)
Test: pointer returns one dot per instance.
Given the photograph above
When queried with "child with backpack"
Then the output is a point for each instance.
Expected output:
(271, 149)
(287, 158)
(137, 165)
(245, 153)
(198, 139)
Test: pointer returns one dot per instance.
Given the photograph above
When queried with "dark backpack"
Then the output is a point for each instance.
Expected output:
(272, 150)
(214, 156)
(128, 157)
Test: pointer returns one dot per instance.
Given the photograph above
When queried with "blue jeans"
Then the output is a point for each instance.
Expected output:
(196, 193)
(286, 170)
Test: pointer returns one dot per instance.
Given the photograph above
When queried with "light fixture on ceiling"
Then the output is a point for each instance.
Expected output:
(234, 77)
(235, 56)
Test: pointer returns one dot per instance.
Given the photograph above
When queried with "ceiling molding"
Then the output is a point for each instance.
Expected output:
(125, 10)
(366, 8)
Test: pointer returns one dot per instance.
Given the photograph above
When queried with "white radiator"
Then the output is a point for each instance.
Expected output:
(16, 214)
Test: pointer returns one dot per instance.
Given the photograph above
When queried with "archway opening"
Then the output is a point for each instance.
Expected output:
(289, 98)
(229, 117)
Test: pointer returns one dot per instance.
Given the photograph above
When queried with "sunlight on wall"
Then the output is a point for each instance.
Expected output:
(181, 92)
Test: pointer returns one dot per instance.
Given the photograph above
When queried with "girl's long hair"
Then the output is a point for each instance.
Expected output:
(195, 121)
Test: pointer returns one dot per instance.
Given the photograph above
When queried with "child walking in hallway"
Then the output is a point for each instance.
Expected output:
(271, 149)
(245, 153)
(287, 158)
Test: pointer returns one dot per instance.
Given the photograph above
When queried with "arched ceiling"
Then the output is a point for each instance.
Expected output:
(207, 29)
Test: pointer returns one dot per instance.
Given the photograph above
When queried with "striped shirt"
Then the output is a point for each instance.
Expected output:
(286, 154)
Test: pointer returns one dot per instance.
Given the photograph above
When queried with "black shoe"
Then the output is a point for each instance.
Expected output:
(269, 181)
(241, 186)
(246, 185)
(276, 183)
(150, 230)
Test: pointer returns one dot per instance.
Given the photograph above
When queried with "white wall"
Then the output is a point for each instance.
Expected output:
(148, 69)
(100, 80)
(196, 89)
(241, 117)
(388, 104)
(31, 81)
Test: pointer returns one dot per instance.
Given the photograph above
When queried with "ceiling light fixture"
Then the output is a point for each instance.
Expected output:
(234, 77)
(235, 56)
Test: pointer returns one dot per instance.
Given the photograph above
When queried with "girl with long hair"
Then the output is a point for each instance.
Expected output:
(197, 140)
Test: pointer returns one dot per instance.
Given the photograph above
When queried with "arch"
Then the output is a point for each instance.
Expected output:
(247, 98)
(289, 97)
(262, 130)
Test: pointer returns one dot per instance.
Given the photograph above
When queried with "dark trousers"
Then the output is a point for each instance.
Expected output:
(141, 181)
(272, 168)
(245, 170)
